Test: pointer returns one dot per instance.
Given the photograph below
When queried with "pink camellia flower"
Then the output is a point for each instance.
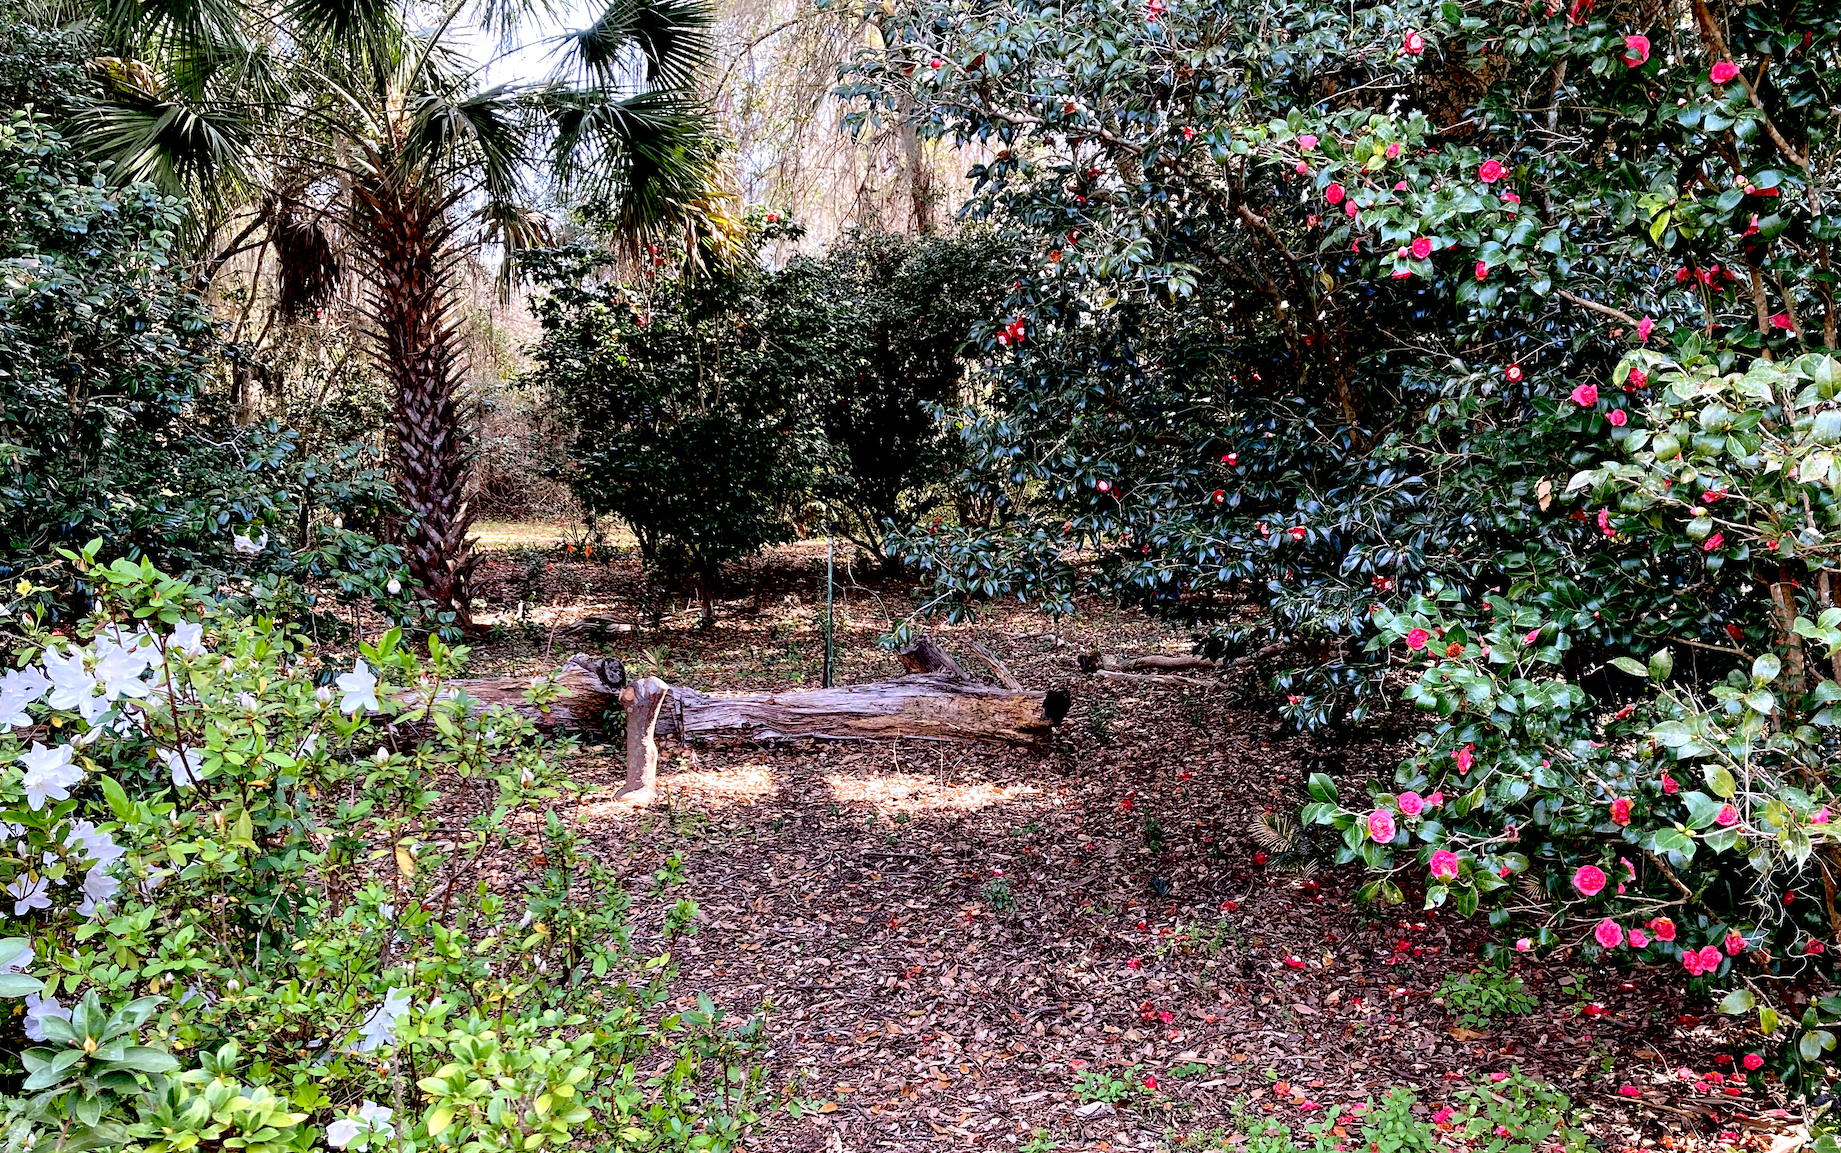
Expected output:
(1422, 248)
(1663, 928)
(1381, 825)
(1628, 1091)
(1334, 194)
(1435, 800)
(1524, 944)
(1636, 51)
(1307, 142)
(1511, 197)
(1669, 785)
(1411, 803)
(1638, 378)
(1618, 418)
(1702, 961)
(1735, 943)
(1813, 948)
(1444, 865)
(1303, 169)
(1620, 811)
(1727, 816)
(1498, 1078)
(1644, 327)
(1350, 209)
(1401, 186)
(1586, 395)
(1723, 72)
(1820, 817)
(1604, 522)
(1465, 757)
(1752, 1061)
(1393, 151)
(1534, 634)
(1609, 933)
(1639, 939)
(1782, 320)
(1482, 271)
(1589, 880)
(1413, 44)
(1490, 171)
(1442, 1115)
(1416, 639)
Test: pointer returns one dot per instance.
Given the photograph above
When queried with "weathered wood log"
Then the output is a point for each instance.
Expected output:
(941, 704)
(931, 707)
(588, 693)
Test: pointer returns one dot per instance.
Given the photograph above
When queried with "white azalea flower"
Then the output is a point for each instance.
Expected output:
(99, 889)
(379, 1028)
(359, 687)
(72, 687)
(49, 774)
(119, 668)
(189, 637)
(96, 846)
(29, 893)
(13, 710)
(249, 547)
(38, 1009)
(377, 1115)
(187, 769)
(19, 688)
(344, 1131)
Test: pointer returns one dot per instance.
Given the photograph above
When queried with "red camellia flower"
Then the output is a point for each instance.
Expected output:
(1618, 417)
(936, 62)
(1727, 816)
(1638, 379)
(1813, 948)
(1513, 372)
(1713, 544)
(1723, 72)
(1465, 757)
(1482, 271)
(1490, 172)
(1620, 811)
(1752, 1061)
(1413, 44)
(1636, 51)
(1422, 248)
(1586, 395)
(1669, 785)
(1782, 320)
(1663, 928)
(1219, 496)
(1333, 194)
(1589, 880)
(1644, 327)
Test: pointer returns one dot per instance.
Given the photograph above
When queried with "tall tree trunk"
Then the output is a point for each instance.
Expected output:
(406, 229)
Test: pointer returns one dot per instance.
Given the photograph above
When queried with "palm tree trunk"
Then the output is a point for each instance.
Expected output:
(406, 230)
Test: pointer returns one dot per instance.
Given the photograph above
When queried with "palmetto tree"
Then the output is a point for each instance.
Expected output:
(358, 137)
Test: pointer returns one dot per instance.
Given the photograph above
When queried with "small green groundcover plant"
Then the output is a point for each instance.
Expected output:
(1504, 1112)
(247, 907)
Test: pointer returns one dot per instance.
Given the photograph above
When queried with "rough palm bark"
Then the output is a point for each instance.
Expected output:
(407, 228)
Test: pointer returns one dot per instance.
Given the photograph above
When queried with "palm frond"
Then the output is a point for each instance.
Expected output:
(181, 148)
(646, 152)
(482, 130)
(668, 39)
(1275, 832)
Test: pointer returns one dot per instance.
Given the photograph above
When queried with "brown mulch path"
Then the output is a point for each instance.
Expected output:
(949, 938)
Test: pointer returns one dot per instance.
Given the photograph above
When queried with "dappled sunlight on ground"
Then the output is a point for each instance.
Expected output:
(892, 793)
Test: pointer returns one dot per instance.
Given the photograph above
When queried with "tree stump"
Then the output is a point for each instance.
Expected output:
(643, 699)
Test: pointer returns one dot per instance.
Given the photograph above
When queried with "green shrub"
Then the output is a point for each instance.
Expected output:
(1482, 997)
(253, 907)
(1508, 1113)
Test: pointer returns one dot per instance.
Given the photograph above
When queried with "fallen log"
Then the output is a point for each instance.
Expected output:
(937, 702)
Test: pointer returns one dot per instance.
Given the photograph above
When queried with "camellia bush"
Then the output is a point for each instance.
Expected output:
(1695, 824)
(250, 906)
(1470, 339)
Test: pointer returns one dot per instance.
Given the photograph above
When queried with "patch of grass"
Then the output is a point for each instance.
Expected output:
(1040, 1141)
(998, 896)
(1094, 1085)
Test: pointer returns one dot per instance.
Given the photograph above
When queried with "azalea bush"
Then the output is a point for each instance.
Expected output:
(1688, 821)
(252, 903)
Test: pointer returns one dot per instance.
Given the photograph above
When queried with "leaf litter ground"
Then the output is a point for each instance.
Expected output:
(963, 945)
